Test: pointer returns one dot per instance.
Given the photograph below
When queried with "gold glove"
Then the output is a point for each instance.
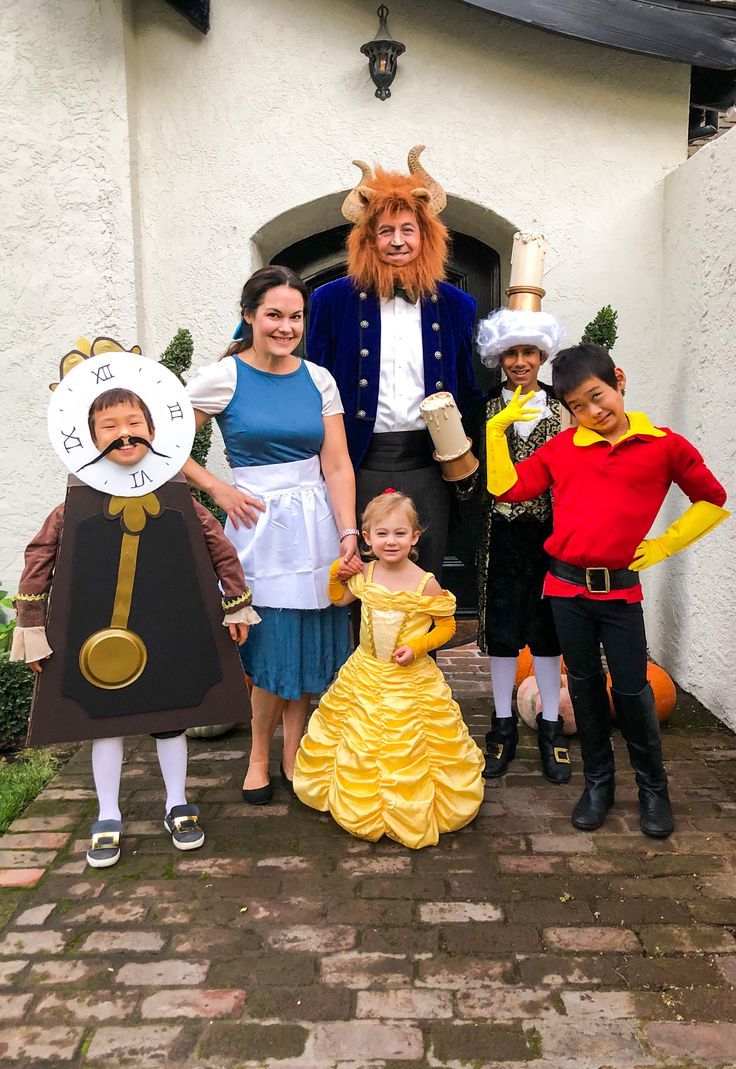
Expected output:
(698, 520)
(335, 587)
(442, 632)
(500, 471)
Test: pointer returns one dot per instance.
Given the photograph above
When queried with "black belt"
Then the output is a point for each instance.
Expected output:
(595, 580)
(398, 451)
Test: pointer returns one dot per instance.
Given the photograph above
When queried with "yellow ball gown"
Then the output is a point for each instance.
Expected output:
(387, 752)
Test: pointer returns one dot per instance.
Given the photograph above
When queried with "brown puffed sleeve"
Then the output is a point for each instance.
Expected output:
(224, 561)
(35, 583)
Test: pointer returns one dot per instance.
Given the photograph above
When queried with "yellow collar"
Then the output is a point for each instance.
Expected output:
(639, 423)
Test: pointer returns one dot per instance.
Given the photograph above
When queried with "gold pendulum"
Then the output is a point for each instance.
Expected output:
(115, 656)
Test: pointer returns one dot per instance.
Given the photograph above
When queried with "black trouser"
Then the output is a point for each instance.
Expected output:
(584, 623)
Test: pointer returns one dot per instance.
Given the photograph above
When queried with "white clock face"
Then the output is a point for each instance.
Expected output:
(167, 401)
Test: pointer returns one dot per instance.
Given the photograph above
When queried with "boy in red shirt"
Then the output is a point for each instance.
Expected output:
(609, 477)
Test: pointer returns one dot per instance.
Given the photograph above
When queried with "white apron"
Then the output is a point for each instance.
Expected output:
(286, 557)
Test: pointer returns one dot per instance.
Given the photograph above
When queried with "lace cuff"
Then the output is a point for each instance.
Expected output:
(245, 615)
(29, 644)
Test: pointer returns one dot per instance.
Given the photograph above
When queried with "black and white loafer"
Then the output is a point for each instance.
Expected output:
(182, 823)
(104, 846)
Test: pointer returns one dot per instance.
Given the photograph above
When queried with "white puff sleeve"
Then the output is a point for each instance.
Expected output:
(323, 380)
(211, 388)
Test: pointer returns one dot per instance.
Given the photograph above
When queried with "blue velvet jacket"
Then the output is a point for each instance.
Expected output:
(345, 337)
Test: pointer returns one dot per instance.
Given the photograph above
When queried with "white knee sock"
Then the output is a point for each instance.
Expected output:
(503, 677)
(172, 757)
(107, 766)
(547, 672)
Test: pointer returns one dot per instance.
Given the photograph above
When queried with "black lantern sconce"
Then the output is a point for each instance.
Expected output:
(383, 54)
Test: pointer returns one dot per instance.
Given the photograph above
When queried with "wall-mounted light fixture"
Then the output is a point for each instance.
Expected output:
(383, 53)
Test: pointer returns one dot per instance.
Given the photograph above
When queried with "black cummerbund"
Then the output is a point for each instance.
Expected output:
(399, 451)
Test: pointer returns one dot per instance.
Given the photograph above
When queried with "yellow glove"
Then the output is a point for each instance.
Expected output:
(336, 586)
(442, 632)
(698, 520)
(500, 471)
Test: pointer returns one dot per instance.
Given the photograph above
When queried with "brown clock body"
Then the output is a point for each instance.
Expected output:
(192, 674)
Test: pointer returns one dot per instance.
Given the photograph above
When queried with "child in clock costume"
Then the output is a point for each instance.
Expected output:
(119, 595)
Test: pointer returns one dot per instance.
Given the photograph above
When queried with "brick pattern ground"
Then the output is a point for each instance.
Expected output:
(285, 942)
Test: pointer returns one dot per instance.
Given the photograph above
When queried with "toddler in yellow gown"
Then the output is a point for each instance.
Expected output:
(387, 752)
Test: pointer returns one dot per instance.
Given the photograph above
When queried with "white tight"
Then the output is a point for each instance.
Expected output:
(547, 672)
(107, 767)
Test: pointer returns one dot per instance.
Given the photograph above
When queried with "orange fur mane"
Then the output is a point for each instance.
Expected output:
(395, 193)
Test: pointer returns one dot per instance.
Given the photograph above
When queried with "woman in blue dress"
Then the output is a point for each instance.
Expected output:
(291, 510)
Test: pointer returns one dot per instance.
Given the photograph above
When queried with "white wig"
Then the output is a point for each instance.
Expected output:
(504, 328)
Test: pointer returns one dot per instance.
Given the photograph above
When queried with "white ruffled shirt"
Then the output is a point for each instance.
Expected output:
(521, 427)
(401, 383)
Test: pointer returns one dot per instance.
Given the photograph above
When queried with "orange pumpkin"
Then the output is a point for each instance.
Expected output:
(529, 703)
(524, 666)
(665, 695)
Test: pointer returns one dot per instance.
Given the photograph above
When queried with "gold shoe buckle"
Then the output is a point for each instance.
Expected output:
(105, 840)
(187, 823)
(562, 755)
(499, 751)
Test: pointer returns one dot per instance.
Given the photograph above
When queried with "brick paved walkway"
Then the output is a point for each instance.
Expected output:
(285, 942)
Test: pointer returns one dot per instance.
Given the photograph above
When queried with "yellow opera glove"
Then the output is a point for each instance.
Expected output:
(442, 632)
(335, 587)
(500, 471)
(698, 520)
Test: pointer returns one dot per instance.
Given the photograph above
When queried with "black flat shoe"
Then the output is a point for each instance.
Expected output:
(258, 795)
(288, 783)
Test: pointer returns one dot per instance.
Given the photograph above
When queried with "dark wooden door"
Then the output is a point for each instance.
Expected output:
(474, 267)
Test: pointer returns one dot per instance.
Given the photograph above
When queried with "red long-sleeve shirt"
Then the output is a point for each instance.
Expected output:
(606, 497)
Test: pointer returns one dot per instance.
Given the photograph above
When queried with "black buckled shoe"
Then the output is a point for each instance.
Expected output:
(637, 718)
(501, 743)
(553, 750)
(182, 824)
(593, 719)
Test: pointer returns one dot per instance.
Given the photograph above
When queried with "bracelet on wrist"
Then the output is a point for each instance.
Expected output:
(349, 531)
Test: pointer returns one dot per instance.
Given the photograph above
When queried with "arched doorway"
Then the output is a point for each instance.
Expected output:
(474, 267)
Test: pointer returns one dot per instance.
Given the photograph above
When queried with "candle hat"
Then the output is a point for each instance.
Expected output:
(523, 322)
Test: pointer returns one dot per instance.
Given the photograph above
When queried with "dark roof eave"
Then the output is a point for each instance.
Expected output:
(684, 31)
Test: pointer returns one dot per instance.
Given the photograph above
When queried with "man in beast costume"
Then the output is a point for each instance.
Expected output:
(391, 333)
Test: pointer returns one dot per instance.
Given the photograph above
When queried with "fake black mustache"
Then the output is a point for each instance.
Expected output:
(133, 439)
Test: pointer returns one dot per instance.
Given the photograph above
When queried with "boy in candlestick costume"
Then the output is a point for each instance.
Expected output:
(609, 477)
(392, 333)
(512, 560)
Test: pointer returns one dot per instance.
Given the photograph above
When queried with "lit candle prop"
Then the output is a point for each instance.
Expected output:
(525, 289)
(453, 448)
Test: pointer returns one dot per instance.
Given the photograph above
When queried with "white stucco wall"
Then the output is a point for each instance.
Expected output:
(693, 604)
(66, 243)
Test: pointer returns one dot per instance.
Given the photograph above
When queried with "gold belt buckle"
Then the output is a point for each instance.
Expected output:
(606, 581)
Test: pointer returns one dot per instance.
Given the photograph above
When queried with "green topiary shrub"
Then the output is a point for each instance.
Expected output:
(602, 330)
(177, 357)
(16, 691)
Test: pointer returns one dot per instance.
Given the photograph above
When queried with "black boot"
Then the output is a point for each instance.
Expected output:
(553, 749)
(501, 743)
(637, 718)
(593, 719)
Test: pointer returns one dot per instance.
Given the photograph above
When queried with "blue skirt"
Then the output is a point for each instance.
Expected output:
(296, 651)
